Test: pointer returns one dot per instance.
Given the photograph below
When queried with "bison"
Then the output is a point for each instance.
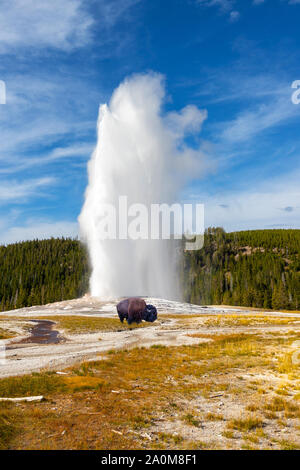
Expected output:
(150, 313)
(122, 309)
(134, 310)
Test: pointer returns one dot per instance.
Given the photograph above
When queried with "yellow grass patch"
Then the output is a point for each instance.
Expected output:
(245, 424)
(123, 401)
(248, 320)
(80, 324)
(6, 334)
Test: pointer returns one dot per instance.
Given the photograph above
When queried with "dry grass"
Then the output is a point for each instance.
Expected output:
(248, 320)
(6, 334)
(7, 427)
(79, 324)
(214, 417)
(191, 420)
(125, 392)
(286, 445)
(123, 401)
(286, 365)
(228, 434)
(33, 384)
(245, 424)
(180, 316)
(288, 407)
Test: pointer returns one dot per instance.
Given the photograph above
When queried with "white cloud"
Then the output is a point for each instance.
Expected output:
(223, 4)
(234, 16)
(273, 203)
(227, 5)
(58, 24)
(264, 101)
(41, 114)
(263, 116)
(44, 23)
(14, 191)
(112, 10)
(290, 2)
(33, 229)
(73, 153)
(236, 85)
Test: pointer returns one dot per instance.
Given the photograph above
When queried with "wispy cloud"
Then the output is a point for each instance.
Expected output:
(224, 5)
(111, 11)
(260, 100)
(20, 192)
(263, 116)
(56, 24)
(34, 229)
(290, 2)
(271, 202)
(46, 121)
(59, 25)
(48, 124)
(73, 153)
(234, 16)
(230, 6)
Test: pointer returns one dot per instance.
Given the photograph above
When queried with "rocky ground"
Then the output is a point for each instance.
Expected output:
(23, 358)
(199, 377)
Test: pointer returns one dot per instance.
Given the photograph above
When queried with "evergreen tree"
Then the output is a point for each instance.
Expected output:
(258, 268)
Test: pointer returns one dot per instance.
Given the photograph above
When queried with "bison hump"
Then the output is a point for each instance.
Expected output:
(136, 309)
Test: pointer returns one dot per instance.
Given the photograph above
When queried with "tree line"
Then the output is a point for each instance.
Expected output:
(257, 268)
(42, 271)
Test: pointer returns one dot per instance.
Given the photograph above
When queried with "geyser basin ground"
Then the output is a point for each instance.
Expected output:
(86, 340)
(197, 378)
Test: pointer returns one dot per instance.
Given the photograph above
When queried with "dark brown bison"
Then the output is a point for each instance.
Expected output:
(150, 314)
(122, 309)
(132, 309)
(136, 309)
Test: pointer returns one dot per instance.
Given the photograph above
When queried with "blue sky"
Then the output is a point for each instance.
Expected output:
(236, 59)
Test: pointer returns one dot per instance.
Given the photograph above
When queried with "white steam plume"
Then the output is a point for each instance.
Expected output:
(141, 154)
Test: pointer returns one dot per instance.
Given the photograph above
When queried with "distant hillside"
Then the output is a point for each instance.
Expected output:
(258, 268)
(40, 272)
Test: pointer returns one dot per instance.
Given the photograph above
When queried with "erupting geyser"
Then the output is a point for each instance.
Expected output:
(140, 154)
